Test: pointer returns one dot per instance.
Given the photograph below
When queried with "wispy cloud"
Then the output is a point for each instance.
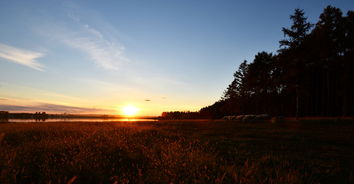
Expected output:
(21, 56)
(105, 52)
(52, 108)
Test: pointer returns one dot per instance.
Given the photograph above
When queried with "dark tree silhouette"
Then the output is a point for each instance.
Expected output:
(311, 75)
(297, 32)
(236, 87)
(290, 49)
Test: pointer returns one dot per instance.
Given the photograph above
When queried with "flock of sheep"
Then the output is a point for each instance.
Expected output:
(249, 117)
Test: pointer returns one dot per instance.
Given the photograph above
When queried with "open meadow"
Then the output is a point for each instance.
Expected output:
(202, 151)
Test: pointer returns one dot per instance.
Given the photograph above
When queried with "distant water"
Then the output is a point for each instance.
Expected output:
(79, 120)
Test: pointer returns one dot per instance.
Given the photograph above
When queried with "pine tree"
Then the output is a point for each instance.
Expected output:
(297, 32)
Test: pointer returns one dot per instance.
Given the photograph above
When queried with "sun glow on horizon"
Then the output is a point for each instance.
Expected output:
(130, 110)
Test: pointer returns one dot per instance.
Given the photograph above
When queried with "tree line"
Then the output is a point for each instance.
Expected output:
(180, 115)
(312, 74)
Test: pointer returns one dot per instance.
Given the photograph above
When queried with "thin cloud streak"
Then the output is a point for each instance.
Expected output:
(21, 56)
(104, 52)
(51, 108)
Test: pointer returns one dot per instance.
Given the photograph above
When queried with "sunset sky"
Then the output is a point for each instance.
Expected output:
(99, 56)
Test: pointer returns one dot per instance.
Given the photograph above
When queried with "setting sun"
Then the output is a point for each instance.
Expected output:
(130, 110)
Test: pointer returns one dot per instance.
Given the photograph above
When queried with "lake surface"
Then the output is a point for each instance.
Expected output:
(79, 120)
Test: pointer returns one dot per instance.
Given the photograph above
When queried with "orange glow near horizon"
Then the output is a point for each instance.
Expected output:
(130, 110)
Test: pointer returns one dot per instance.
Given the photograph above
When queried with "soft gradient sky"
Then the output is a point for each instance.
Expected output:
(98, 56)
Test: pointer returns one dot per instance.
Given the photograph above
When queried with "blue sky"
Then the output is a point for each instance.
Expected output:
(98, 56)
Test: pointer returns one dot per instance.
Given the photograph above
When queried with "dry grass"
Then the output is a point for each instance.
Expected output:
(176, 152)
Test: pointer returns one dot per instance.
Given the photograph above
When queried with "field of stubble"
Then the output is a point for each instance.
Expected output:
(177, 152)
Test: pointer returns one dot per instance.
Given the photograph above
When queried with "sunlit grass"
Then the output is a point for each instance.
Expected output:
(174, 152)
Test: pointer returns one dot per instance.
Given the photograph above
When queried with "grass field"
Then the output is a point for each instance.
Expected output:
(177, 152)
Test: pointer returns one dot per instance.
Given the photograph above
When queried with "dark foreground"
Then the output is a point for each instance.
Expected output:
(177, 152)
